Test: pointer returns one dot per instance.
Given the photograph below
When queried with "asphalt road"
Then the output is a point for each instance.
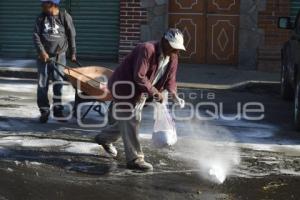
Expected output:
(259, 159)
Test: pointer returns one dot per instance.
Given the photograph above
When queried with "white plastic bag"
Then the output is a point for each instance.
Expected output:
(164, 132)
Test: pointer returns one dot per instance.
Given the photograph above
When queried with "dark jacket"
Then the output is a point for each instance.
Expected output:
(54, 34)
(139, 68)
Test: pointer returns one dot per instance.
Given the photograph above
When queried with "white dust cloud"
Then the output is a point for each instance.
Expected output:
(210, 149)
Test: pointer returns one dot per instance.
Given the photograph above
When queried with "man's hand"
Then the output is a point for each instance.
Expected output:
(74, 59)
(139, 107)
(158, 97)
(178, 100)
(44, 56)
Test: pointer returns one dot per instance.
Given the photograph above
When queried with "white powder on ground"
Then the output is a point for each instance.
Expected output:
(83, 148)
(60, 145)
(28, 142)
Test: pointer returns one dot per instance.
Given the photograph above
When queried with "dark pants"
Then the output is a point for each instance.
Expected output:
(46, 73)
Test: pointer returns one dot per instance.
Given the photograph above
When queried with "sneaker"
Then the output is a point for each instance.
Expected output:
(59, 115)
(140, 164)
(44, 116)
(110, 149)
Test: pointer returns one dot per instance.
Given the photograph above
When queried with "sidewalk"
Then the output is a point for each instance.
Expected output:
(189, 75)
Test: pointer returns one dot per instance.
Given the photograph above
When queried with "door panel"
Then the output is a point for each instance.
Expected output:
(210, 27)
(222, 31)
(194, 37)
(222, 39)
(186, 6)
(188, 16)
(223, 6)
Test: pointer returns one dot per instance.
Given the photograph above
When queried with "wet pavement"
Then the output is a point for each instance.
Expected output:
(259, 159)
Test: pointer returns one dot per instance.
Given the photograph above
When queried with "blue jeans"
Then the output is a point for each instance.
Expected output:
(46, 73)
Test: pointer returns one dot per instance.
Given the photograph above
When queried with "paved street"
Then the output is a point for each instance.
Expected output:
(257, 159)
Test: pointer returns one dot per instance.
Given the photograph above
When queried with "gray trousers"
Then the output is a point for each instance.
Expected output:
(128, 129)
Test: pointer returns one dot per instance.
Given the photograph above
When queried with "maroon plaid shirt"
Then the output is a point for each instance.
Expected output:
(140, 68)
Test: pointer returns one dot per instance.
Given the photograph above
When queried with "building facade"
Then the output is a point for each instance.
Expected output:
(242, 33)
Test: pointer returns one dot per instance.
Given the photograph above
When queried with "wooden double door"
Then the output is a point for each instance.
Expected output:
(210, 27)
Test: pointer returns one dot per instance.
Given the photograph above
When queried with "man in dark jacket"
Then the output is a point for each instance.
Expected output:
(53, 34)
(148, 70)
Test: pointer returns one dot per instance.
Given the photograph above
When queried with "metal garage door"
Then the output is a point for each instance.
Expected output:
(17, 18)
(97, 26)
(295, 7)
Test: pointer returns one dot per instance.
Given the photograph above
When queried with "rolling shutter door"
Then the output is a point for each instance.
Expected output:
(96, 23)
(97, 27)
(295, 8)
(17, 18)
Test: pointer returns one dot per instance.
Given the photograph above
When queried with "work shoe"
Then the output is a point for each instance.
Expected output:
(140, 164)
(110, 149)
(44, 116)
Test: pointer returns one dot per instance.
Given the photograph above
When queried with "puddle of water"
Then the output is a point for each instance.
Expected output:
(4, 151)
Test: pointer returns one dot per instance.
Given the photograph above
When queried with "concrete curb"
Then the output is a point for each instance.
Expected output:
(31, 73)
(18, 74)
(203, 86)
(18, 69)
(225, 86)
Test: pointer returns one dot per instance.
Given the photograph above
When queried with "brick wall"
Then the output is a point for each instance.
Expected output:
(132, 16)
(269, 51)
